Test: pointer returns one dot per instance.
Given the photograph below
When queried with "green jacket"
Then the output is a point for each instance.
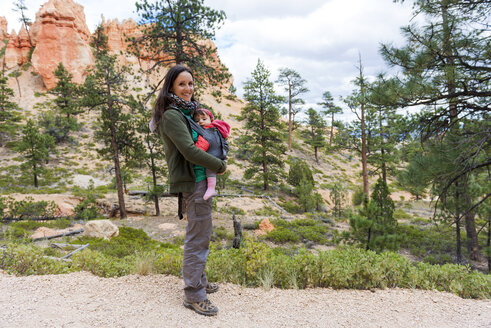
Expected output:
(181, 153)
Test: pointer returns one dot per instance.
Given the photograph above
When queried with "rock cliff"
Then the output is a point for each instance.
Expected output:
(60, 34)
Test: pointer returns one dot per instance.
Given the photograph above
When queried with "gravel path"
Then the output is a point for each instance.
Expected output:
(83, 300)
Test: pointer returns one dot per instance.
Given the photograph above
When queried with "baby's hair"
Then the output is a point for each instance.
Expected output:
(199, 113)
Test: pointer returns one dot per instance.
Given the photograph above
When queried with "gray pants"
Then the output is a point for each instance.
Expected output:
(196, 243)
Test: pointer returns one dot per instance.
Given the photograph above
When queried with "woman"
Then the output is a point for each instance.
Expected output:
(187, 164)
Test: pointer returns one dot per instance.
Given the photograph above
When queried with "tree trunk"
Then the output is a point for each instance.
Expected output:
(382, 149)
(35, 176)
(316, 155)
(290, 123)
(364, 151)
(470, 227)
(332, 130)
(459, 247)
(117, 169)
(488, 244)
(364, 164)
(156, 197)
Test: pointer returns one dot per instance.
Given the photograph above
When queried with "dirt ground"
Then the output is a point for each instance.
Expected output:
(83, 300)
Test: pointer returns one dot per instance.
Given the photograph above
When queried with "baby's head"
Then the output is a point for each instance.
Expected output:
(203, 117)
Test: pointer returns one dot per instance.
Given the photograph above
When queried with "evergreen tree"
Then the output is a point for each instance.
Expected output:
(295, 86)
(414, 177)
(21, 8)
(66, 92)
(331, 109)
(148, 149)
(60, 119)
(357, 138)
(36, 148)
(445, 66)
(263, 128)
(374, 225)
(384, 123)
(105, 90)
(175, 31)
(301, 178)
(9, 111)
(314, 133)
(337, 194)
(299, 170)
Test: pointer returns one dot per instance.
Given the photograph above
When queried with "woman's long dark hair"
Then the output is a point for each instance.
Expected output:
(163, 100)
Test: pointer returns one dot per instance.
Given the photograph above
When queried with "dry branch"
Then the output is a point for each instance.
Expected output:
(69, 233)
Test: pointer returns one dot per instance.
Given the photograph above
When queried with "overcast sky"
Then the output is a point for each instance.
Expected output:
(320, 39)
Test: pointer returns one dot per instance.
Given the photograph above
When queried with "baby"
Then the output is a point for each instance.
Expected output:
(205, 119)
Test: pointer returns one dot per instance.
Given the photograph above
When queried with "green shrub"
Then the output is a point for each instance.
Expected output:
(232, 210)
(87, 209)
(400, 214)
(128, 242)
(220, 233)
(28, 260)
(102, 265)
(298, 230)
(28, 208)
(255, 264)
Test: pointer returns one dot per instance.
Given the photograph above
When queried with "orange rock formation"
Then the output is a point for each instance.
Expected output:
(61, 35)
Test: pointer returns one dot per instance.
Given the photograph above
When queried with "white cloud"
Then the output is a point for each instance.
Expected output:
(322, 45)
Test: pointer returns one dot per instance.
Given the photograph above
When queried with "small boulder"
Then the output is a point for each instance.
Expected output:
(101, 229)
(264, 228)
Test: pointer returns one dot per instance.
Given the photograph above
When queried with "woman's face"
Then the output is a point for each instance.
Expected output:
(183, 86)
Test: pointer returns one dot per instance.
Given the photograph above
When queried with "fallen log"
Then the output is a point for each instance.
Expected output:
(278, 206)
(41, 218)
(57, 245)
(77, 250)
(68, 233)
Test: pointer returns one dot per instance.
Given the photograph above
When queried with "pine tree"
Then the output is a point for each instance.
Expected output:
(301, 179)
(60, 119)
(174, 32)
(36, 148)
(66, 92)
(384, 122)
(414, 177)
(331, 109)
(358, 136)
(263, 128)
(20, 7)
(314, 134)
(9, 110)
(445, 66)
(375, 225)
(294, 86)
(105, 90)
(337, 194)
(148, 149)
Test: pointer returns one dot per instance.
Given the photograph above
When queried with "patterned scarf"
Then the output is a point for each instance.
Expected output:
(180, 103)
(188, 107)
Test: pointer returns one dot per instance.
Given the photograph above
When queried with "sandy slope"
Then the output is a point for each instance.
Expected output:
(84, 300)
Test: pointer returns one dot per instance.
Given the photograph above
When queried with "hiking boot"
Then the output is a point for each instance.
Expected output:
(205, 307)
(211, 288)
